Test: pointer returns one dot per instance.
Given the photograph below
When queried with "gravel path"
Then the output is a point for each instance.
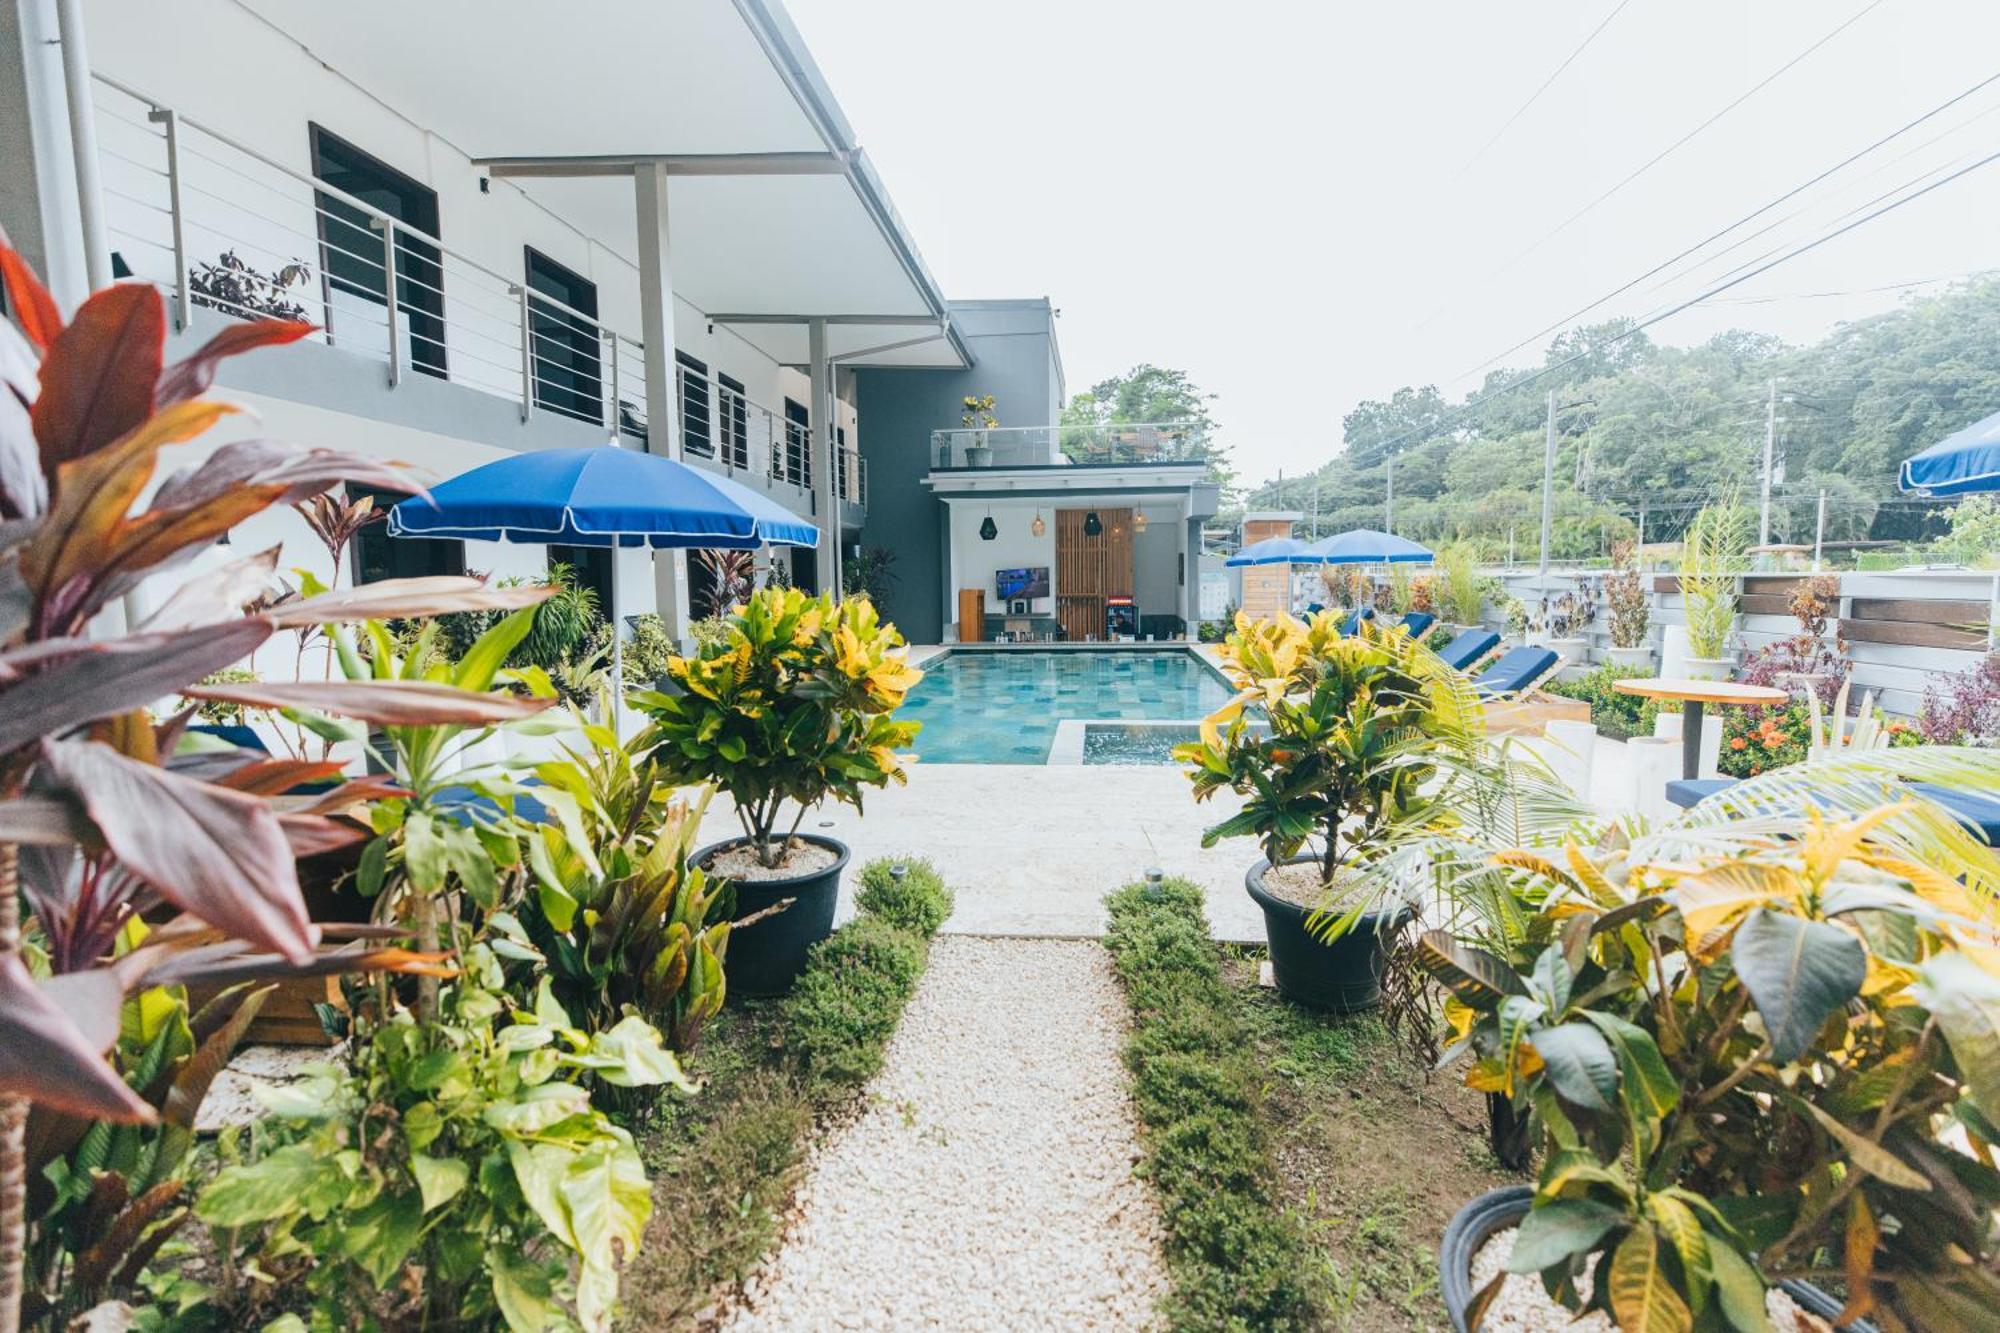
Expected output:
(988, 1183)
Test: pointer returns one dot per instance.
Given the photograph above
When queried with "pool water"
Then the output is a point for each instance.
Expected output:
(1003, 707)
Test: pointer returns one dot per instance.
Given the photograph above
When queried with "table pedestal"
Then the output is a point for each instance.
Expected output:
(1691, 711)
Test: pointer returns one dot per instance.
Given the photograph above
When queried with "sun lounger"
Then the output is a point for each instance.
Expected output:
(1469, 647)
(1514, 699)
(1419, 623)
(1979, 811)
(1352, 625)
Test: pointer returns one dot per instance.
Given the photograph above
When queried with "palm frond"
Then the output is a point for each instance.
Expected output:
(1922, 830)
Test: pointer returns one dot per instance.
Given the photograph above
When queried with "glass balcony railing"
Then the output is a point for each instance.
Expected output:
(1071, 446)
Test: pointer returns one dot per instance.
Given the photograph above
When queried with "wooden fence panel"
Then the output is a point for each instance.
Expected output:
(1090, 569)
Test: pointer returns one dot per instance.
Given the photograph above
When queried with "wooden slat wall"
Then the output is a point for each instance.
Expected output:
(1090, 569)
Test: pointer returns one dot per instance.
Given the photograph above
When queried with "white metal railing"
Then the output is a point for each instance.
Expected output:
(215, 223)
(1057, 446)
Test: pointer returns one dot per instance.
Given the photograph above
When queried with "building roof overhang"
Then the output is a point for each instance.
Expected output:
(774, 210)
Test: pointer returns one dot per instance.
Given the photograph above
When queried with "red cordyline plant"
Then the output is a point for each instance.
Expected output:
(106, 835)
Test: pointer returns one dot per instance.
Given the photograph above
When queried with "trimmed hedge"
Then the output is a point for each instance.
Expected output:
(918, 902)
(728, 1160)
(1237, 1261)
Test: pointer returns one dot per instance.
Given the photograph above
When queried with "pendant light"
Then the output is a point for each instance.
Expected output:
(1138, 521)
(1093, 526)
(1038, 527)
(987, 529)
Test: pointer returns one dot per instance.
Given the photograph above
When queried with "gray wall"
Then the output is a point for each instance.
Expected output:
(1156, 568)
(1014, 353)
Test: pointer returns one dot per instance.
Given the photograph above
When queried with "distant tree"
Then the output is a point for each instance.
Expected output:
(1153, 395)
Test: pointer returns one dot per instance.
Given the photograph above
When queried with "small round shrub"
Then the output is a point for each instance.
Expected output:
(918, 901)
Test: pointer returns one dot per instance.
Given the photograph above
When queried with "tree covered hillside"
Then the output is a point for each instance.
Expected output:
(1668, 427)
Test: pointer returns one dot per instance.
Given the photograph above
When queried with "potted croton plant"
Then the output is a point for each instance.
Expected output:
(1755, 1054)
(1631, 610)
(1340, 760)
(791, 703)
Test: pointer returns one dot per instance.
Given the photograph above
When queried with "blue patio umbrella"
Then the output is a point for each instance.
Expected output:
(1274, 551)
(1365, 546)
(602, 496)
(1959, 464)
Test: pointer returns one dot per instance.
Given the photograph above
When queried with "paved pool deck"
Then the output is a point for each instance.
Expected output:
(1032, 849)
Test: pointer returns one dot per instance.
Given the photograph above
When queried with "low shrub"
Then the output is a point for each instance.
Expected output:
(1619, 716)
(917, 900)
(845, 1006)
(1237, 1260)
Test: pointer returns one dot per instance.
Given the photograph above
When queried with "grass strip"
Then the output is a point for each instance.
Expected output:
(727, 1161)
(1238, 1261)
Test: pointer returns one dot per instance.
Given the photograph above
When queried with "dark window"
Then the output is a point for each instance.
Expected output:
(378, 556)
(732, 411)
(792, 457)
(352, 253)
(697, 424)
(840, 478)
(569, 365)
(592, 567)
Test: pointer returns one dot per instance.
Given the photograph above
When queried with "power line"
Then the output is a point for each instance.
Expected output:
(1670, 149)
(1751, 216)
(1639, 326)
(1852, 291)
(1535, 96)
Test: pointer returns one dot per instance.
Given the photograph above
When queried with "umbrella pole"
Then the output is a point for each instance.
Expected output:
(617, 658)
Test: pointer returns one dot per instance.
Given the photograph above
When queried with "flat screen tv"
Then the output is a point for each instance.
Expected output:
(1017, 583)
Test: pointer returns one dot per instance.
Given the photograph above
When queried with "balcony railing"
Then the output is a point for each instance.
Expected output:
(1079, 446)
(217, 224)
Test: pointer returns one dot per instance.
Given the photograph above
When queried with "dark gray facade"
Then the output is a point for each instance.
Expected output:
(1013, 348)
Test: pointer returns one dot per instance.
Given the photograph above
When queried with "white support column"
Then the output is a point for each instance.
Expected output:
(825, 457)
(663, 404)
(83, 143)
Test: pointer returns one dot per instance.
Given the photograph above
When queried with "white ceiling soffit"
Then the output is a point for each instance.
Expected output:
(529, 78)
(902, 344)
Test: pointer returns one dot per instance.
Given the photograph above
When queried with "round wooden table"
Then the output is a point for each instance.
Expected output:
(1693, 694)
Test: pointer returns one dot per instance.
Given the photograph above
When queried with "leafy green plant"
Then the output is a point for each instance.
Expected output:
(107, 1197)
(795, 706)
(1748, 1047)
(456, 1175)
(907, 892)
(647, 650)
(97, 823)
(622, 921)
(1237, 1260)
(1459, 590)
(1617, 715)
(1712, 553)
(1353, 728)
(871, 574)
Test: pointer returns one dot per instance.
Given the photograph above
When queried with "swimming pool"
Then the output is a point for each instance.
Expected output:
(1003, 707)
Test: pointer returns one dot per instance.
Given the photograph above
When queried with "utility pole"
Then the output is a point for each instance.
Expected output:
(1640, 545)
(1548, 489)
(1819, 530)
(1770, 451)
(1389, 500)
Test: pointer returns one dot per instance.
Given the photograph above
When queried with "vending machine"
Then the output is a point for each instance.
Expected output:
(1121, 618)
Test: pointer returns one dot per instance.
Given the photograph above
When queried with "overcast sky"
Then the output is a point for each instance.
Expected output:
(1304, 205)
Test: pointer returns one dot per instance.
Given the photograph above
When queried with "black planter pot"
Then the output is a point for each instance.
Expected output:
(1340, 977)
(765, 958)
(1496, 1210)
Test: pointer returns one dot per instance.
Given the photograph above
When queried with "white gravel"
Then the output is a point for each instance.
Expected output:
(988, 1182)
(1523, 1307)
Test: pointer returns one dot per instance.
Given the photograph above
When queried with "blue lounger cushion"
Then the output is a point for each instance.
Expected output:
(1468, 647)
(1977, 810)
(1690, 792)
(1419, 623)
(1352, 625)
(1517, 669)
